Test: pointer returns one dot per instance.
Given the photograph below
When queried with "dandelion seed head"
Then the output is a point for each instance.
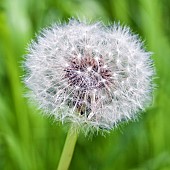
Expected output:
(88, 75)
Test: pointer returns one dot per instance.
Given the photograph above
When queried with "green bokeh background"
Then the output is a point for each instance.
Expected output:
(29, 141)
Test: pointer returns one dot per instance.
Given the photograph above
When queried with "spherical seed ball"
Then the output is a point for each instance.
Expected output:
(89, 75)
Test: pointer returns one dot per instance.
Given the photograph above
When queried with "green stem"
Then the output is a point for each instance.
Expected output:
(68, 150)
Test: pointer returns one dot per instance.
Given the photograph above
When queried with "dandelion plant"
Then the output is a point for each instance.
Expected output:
(90, 76)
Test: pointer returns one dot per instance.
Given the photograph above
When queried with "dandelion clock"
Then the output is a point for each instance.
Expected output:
(88, 75)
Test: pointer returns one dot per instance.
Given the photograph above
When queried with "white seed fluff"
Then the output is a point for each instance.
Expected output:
(89, 75)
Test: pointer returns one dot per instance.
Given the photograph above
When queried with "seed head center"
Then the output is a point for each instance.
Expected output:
(87, 73)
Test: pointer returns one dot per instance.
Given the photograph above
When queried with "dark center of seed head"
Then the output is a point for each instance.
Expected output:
(87, 73)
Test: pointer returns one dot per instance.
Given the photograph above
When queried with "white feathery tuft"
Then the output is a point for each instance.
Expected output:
(88, 74)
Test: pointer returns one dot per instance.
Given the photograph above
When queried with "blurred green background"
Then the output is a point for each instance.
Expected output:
(29, 141)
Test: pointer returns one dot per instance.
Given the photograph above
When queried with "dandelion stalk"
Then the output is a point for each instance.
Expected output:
(68, 150)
